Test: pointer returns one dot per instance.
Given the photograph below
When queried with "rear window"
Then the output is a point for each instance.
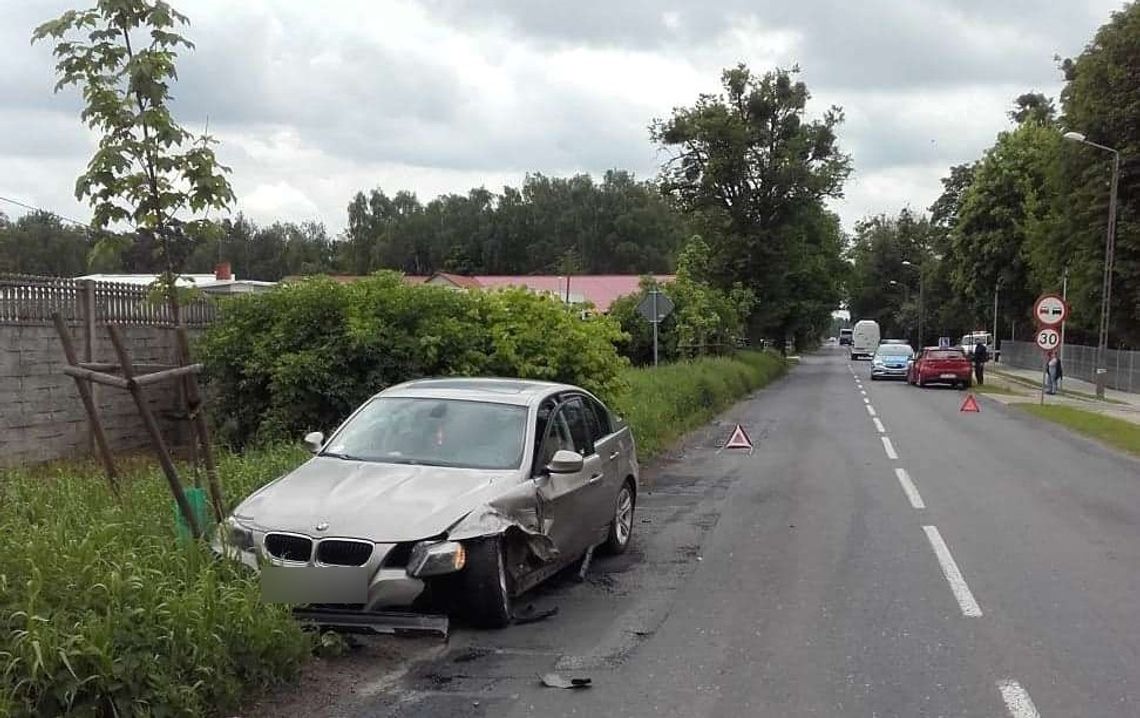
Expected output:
(946, 354)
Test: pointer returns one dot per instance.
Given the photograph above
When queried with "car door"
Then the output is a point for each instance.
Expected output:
(569, 502)
(613, 452)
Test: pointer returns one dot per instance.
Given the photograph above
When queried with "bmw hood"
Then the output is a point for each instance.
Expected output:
(386, 503)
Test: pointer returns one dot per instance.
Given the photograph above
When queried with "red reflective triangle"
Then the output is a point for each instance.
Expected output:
(970, 404)
(739, 439)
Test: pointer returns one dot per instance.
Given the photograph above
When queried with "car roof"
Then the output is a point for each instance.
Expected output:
(504, 391)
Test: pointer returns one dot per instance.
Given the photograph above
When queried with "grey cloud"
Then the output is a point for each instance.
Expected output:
(874, 43)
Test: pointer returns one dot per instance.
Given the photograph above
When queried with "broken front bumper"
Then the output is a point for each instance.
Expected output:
(381, 582)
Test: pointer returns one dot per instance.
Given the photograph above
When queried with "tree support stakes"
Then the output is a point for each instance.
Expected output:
(152, 429)
(84, 387)
(201, 427)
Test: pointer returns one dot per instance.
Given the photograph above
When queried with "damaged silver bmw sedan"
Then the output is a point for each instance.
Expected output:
(460, 493)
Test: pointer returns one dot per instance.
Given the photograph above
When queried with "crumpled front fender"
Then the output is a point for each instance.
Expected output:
(520, 511)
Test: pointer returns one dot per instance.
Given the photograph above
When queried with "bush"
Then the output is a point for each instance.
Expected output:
(663, 403)
(705, 320)
(303, 356)
(104, 612)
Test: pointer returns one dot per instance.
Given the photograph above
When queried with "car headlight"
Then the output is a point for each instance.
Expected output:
(238, 536)
(435, 558)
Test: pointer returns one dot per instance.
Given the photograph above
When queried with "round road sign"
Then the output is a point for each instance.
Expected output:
(1050, 310)
(1048, 338)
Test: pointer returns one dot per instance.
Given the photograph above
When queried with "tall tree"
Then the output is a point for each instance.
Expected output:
(748, 164)
(1100, 99)
(148, 171)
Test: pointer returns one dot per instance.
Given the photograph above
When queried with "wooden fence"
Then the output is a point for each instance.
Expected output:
(26, 299)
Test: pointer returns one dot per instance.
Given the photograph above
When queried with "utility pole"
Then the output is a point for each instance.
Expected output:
(1109, 259)
(997, 286)
(1065, 298)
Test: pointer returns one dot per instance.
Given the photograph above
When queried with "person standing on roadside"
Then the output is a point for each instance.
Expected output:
(981, 356)
(1053, 373)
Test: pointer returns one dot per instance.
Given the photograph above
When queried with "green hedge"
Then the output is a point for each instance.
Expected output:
(663, 403)
(103, 612)
(303, 356)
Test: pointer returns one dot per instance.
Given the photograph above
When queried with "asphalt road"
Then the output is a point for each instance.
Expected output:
(971, 565)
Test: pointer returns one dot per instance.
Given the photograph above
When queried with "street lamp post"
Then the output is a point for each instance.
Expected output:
(1109, 252)
(921, 302)
(997, 286)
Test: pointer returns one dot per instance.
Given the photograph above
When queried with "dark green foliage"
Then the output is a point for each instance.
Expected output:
(620, 226)
(753, 173)
(303, 356)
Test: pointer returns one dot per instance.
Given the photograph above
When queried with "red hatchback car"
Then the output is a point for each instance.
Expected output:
(940, 366)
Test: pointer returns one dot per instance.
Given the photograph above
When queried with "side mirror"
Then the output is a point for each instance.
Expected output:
(565, 462)
(314, 440)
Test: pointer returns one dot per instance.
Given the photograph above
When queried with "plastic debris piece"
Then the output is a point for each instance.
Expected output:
(556, 680)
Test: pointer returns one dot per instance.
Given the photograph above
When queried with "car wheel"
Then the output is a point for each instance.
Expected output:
(621, 528)
(485, 593)
(921, 383)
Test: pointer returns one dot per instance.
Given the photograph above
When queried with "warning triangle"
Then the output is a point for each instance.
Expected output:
(970, 404)
(739, 439)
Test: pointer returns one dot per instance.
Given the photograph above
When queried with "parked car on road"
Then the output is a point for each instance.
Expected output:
(936, 365)
(891, 361)
(455, 492)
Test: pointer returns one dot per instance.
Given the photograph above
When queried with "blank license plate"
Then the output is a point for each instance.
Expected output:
(314, 584)
(949, 376)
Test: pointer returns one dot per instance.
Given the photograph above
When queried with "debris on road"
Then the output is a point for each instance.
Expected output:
(557, 680)
(586, 561)
(530, 615)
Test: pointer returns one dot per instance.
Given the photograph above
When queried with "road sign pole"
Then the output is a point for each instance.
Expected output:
(656, 321)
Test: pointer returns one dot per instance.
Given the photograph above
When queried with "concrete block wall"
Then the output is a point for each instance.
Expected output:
(41, 415)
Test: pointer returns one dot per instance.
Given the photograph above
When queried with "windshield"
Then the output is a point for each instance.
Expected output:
(434, 432)
(894, 350)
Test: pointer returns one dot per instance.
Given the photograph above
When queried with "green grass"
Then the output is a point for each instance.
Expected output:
(1119, 433)
(104, 612)
(665, 402)
(994, 389)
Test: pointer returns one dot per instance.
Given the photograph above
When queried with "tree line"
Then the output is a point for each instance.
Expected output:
(1029, 216)
(620, 225)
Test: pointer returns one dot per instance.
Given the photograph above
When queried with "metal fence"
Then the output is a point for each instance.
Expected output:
(1079, 363)
(26, 299)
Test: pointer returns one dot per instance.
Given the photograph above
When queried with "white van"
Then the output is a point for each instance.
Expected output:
(864, 339)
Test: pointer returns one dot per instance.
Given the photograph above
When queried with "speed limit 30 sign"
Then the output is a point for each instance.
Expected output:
(1048, 338)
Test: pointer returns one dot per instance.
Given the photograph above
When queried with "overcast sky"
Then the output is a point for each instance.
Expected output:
(314, 101)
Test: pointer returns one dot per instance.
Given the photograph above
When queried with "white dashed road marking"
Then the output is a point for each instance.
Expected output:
(1017, 700)
(879, 425)
(889, 448)
(909, 489)
(866, 400)
(954, 577)
(870, 409)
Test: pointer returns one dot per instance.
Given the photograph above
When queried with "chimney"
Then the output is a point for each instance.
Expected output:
(222, 271)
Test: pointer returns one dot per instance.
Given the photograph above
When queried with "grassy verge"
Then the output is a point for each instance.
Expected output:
(665, 402)
(1121, 434)
(103, 612)
(1029, 384)
(992, 388)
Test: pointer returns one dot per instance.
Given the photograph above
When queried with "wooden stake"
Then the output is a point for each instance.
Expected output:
(97, 377)
(202, 428)
(103, 448)
(155, 434)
